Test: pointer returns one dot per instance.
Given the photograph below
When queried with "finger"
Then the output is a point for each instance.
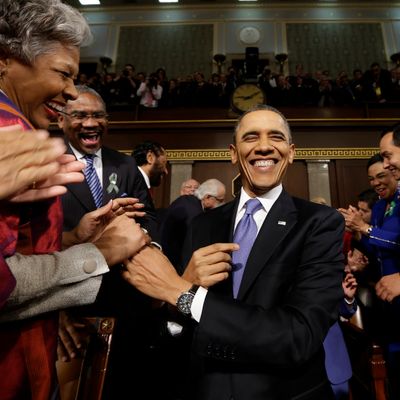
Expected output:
(134, 214)
(124, 202)
(212, 280)
(62, 353)
(67, 343)
(102, 211)
(213, 248)
(39, 194)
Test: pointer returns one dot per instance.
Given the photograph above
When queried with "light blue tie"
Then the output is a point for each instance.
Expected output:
(93, 181)
(245, 235)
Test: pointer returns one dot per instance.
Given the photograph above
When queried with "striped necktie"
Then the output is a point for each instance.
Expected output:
(93, 181)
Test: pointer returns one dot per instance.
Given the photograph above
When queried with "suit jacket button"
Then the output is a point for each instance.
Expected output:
(89, 266)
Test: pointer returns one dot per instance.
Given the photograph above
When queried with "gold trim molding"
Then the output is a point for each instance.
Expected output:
(301, 154)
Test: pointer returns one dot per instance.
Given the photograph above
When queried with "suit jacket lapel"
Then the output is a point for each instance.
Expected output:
(109, 168)
(278, 223)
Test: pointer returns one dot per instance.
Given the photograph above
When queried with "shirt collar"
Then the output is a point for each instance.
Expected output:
(267, 199)
(145, 177)
(79, 156)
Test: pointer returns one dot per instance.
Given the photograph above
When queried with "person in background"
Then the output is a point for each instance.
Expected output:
(390, 149)
(150, 92)
(381, 239)
(337, 361)
(189, 187)
(39, 58)
(151, 159)
(180, 213)
(259, 330)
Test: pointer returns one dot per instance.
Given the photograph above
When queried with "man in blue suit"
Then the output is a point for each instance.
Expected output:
(266, 341)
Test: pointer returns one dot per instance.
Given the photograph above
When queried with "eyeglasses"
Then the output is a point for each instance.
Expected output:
(81, 116)
(217, 199)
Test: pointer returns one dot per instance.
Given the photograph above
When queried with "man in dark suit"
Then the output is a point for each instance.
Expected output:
(179, 215)
(267, 343)
(84, 123)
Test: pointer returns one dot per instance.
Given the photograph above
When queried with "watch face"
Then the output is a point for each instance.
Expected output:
(246, 96)
(184, 303)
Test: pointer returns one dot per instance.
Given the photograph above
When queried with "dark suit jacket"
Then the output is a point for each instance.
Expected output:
(137, 324)
(267, 344)
(175, 225)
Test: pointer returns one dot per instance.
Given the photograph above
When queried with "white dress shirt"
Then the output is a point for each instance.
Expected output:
(145, 177)
(97, 161)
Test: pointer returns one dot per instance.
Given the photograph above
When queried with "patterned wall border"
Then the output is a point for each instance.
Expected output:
(301, 154)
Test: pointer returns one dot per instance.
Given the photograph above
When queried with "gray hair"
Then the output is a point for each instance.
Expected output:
(81, 89)
(263, 107)
(29, 28)
(210, 187)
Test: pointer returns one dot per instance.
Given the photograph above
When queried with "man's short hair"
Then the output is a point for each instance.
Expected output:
(139, 153)
(262, 107)
(209, 187)
(396, 133)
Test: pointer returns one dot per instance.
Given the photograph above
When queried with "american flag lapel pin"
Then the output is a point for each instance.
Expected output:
(281, 222)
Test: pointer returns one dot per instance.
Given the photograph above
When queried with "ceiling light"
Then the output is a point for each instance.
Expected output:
(168, 1)
(89, 2)
(248, 0)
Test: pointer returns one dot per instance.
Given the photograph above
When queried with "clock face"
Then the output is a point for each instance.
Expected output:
(246, 96)
(249, 35)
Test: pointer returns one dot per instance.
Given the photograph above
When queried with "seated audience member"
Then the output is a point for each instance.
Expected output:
(189, 187)
(179, 215)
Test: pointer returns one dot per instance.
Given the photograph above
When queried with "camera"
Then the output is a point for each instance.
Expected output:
(152, 82)
(125, 72)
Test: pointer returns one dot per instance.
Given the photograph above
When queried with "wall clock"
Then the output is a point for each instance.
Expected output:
(246, 96)
(249, 35)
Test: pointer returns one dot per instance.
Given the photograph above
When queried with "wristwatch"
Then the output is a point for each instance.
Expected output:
(185, 300)
(368, 230)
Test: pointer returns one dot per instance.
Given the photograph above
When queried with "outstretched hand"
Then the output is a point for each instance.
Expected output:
(68, 170)
(32, 159)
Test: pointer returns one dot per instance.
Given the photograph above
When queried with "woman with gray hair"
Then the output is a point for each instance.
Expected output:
(39, 58)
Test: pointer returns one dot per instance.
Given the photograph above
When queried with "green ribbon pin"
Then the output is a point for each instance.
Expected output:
(113, 183)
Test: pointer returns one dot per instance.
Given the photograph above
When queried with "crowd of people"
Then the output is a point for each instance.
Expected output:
(213, 300)
(301, 88)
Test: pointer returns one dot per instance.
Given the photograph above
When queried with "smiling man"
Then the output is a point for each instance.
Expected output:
(261, 314)
(390, 149)
(84, 122)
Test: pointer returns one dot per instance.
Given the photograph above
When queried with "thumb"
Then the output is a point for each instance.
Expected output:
(103, 211)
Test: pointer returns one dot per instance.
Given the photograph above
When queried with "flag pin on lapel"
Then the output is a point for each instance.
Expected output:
(281, 222)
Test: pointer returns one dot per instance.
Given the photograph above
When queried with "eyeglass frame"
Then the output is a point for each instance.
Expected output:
(104, 116)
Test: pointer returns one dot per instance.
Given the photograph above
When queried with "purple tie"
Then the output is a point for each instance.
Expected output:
(245, 235)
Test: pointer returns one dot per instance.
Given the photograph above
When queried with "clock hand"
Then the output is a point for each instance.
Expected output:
(252, 95)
